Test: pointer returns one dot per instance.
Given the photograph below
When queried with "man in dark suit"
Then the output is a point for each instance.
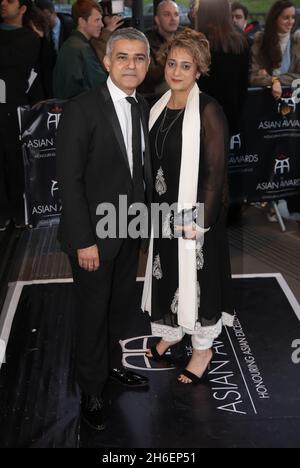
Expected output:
(103, 153)
(61, 24)
(60, 28)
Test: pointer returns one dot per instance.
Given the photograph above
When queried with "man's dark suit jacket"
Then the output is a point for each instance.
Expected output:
(93, 168)
(67, 26)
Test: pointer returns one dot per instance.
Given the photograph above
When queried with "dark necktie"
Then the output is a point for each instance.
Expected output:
(137, 173)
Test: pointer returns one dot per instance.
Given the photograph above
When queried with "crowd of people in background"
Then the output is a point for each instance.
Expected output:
(45, 54)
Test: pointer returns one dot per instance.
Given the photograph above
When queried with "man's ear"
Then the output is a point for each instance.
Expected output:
(107, 62)
(81, 22)
(23, 9)
(156, 20)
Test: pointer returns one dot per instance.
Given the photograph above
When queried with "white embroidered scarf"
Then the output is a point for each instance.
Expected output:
(187, 198)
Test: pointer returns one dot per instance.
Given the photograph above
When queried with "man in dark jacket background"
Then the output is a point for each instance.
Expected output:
(78, 68)
(240, 14)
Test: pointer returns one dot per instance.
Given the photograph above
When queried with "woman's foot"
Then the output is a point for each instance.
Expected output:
(161, 347)
(197, 366)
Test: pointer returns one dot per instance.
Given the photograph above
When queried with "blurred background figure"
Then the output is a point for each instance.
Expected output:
(240, 14)
(276, 62)
(78, 68)
(192, 12)
(111, 23)
(19, 55)
(228, 77)
(276, 51)
(227, 81)
(60, 24)
(166, 25)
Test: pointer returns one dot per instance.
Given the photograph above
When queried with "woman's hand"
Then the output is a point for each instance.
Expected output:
(38, 31)
(262, 72)
(276, 90)
(113, 22)
(189, 232)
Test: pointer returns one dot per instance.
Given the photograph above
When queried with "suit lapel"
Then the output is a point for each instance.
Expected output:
(112, 117)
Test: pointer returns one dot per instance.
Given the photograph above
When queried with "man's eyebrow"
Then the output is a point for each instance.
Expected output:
(140, 54)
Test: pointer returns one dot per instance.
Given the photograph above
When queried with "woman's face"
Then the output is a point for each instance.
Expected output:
(181, 71)
(286, 20)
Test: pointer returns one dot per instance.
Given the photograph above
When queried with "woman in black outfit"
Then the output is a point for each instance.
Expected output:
(188, 280)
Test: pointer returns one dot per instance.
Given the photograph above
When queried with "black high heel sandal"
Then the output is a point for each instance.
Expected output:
(194, 378)
(159, 357)
(155, 354)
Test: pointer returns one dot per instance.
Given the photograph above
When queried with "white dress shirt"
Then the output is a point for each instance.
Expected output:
(55, 32)
(123, 110)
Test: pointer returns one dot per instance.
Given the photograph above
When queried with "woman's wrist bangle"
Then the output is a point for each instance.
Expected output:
(275, 79)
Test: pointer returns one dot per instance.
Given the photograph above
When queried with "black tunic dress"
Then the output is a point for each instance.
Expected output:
(214, 279)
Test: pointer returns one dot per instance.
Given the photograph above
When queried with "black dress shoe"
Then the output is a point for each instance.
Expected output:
(128, 378)
(92, 411)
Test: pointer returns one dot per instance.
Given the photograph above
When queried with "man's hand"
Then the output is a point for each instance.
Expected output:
(89, 258)
(113, 22)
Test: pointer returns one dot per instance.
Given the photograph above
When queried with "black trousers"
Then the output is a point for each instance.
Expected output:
(105, 300)
(11, 166)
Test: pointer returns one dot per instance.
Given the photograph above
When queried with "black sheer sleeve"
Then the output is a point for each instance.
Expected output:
(213, 162)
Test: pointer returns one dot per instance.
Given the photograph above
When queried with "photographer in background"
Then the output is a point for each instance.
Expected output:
(111, 23)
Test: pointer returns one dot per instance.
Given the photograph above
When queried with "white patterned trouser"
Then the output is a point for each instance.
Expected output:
(202, 338)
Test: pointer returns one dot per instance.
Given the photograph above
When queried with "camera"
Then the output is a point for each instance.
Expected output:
(112, 7)
(117, 7)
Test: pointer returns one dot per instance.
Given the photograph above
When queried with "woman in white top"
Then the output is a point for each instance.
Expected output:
(276, 51)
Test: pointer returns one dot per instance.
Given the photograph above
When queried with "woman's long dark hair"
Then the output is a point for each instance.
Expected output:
(270, 52)
(213, 18)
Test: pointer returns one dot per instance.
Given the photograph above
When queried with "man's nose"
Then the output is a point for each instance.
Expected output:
(131, 63)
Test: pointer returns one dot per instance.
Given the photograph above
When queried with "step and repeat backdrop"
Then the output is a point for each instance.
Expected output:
(264, 158)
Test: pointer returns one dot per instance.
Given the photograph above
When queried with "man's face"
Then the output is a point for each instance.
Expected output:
(239, 19)
(167, 18)
(93, 25)
(128, 64)
(11, 11)
(51, 17)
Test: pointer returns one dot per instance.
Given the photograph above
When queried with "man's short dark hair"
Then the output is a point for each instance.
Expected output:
(27, 3)
(45, 5)
(240, 6)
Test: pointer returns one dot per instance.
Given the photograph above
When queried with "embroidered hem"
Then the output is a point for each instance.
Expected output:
(212, 332)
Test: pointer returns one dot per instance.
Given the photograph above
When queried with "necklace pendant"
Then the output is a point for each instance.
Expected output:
(160, 183)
